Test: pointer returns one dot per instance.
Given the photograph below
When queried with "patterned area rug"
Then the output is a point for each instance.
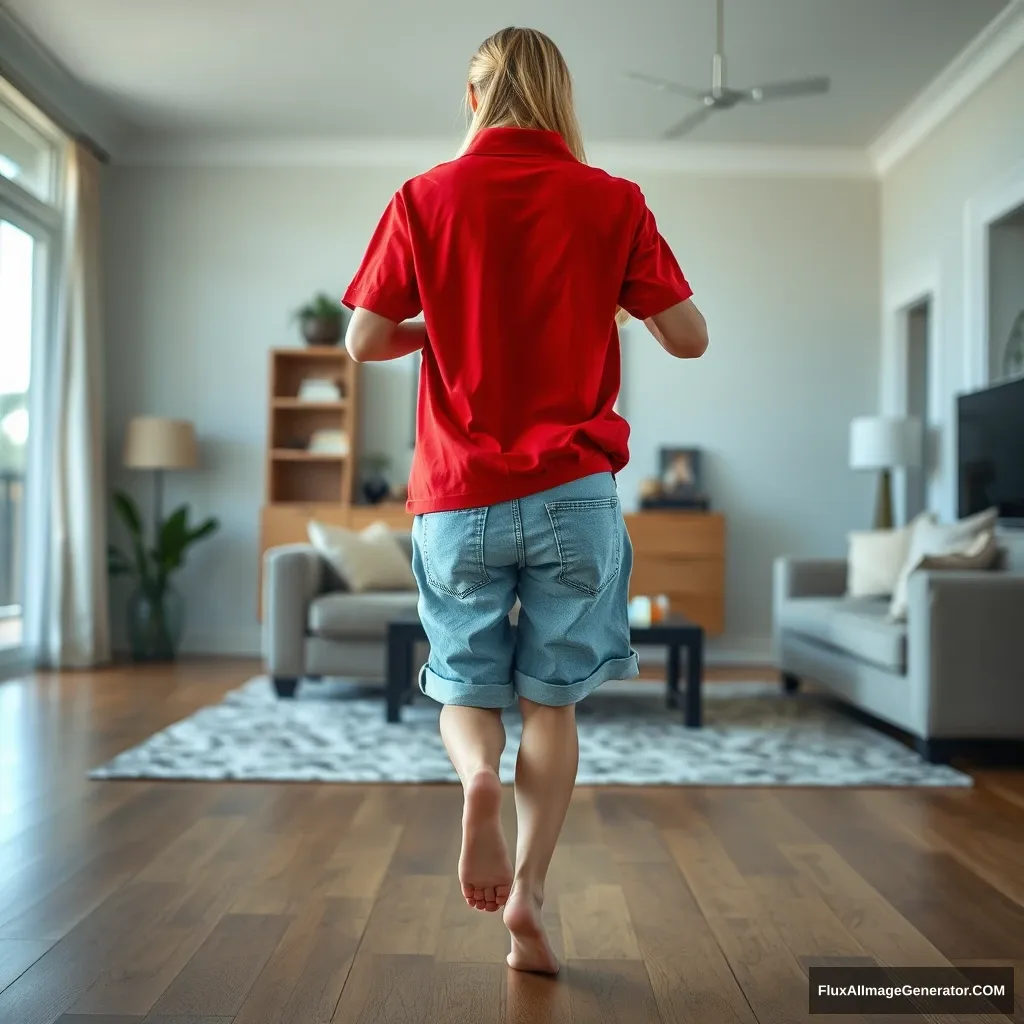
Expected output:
(335, 732)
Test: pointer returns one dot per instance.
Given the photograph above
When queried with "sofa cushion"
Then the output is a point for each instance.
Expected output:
(358, 616)
(858, 626)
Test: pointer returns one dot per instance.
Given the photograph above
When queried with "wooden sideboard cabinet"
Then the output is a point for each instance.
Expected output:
(681, 555)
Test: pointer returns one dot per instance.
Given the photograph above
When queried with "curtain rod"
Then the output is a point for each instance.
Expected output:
(66, 126)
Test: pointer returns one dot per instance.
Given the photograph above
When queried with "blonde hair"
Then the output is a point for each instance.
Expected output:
(521, 80)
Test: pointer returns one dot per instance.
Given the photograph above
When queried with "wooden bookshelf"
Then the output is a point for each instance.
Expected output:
(295, 475)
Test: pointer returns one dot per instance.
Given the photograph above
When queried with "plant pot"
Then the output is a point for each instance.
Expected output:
(155, 624)
(375, 489)
(321, 330)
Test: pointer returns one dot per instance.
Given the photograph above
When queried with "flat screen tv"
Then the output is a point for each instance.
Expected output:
(990, 432)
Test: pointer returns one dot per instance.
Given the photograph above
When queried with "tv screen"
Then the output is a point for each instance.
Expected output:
(991, 444)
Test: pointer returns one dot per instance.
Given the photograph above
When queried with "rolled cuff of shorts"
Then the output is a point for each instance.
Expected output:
(467, 695)
(556, 695)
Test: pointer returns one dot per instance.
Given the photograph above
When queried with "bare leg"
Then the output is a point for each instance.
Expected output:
(545, 777)
(474, 739)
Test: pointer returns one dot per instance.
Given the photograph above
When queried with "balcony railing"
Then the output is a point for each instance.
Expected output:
(12, 506)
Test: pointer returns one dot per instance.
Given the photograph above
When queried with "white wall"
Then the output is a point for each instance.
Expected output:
(926, 199)
(204, 265)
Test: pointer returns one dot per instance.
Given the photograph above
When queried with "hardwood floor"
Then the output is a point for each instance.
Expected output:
(196, 903)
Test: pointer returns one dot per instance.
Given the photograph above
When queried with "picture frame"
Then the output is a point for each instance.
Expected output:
(679, 471)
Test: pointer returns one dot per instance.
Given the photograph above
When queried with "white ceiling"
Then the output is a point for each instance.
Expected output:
(395, 68)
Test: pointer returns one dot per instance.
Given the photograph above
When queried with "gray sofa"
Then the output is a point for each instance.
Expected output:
(314, 627)
(951, 675)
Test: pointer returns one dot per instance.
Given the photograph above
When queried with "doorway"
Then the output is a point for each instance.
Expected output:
(919, 329)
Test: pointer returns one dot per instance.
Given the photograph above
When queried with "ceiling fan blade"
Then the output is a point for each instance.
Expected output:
(689, 122)
(664, 85)
(787, 90)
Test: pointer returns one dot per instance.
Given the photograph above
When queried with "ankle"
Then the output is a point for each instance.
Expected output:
(527, 888)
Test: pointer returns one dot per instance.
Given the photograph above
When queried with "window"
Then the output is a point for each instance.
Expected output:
(31, 152)
(28, 155)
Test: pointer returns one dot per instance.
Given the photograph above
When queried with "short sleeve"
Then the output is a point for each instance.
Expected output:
(653, 281)
(385, 282)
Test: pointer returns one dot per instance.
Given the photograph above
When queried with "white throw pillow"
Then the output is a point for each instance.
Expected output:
(370, 560)
(930, 539)
(875, 559)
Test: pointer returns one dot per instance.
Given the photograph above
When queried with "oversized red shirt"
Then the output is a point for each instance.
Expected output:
(517, 255)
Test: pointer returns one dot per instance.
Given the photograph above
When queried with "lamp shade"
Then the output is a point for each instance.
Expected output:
(155, 443)
(885, 442)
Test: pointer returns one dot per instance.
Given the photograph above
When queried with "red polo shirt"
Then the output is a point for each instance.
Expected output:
(517, 255)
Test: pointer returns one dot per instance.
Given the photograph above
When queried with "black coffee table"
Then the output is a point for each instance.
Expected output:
(675, 633)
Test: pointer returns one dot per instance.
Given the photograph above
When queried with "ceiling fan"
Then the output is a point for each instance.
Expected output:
(720, 96)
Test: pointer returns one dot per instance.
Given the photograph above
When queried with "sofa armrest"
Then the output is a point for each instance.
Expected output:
(292, 576)
(809, 577)
(965, 653)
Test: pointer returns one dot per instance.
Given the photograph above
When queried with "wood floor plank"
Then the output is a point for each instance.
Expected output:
(221, 972)
(431, 837)
(184, 1019)
(877, 926)
(466, 993)
(596, 924)
(537, 999)
(17, 956)
(386, 989)
(917, 878)
(631, 837)
(469, 936)
(772, 980)
(52, 984)
(303, 980)
(103, 1018)
(690, 976)
(610, 991)
(406, 917)
(138, 974)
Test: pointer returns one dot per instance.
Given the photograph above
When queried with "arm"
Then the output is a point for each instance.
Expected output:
(680, 330)
(374, 338)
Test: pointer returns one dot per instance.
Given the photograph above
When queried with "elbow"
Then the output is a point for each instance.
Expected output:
(691, 344)
(356, 346)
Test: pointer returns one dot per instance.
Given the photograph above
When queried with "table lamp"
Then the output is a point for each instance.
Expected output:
(885, 443)
(152, 442)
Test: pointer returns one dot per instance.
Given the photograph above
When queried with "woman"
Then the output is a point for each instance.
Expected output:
(519, 256)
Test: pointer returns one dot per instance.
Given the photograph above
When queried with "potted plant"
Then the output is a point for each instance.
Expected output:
(375, 478)
(321, 320)
(156, 611)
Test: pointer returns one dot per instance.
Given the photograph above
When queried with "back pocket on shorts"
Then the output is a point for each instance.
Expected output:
(588, 535)
(453, 550)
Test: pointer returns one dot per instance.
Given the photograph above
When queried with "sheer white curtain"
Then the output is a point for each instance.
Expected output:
(73, 624)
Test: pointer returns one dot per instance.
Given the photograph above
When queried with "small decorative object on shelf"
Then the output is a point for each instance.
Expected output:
(329, 442)
(375, 480)
(678, 483)
(322, 320)
(320, 389)
(1013, 354)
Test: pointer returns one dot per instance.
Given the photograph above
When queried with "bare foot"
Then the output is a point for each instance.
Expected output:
(485, 870)
(531, 950)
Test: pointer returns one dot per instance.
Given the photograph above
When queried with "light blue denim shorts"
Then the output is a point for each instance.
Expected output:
(565, 554)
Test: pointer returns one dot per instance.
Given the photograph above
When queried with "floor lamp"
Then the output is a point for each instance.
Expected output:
(158, 444)
(885, 443)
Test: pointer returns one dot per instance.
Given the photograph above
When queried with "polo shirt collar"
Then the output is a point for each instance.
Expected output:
(519, 142)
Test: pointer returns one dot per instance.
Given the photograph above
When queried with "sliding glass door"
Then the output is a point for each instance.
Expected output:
(23, 307)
